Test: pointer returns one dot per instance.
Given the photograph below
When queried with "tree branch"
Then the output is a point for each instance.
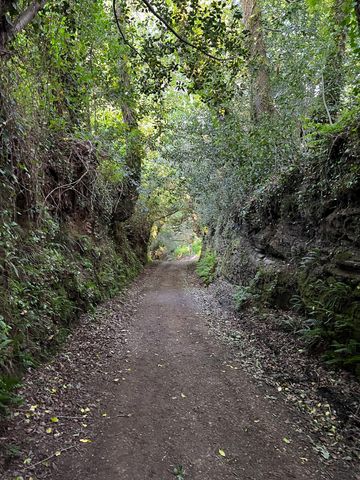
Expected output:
(178, 36)
(117, 21)
(167, 215)
(324, 99)
(21, 22)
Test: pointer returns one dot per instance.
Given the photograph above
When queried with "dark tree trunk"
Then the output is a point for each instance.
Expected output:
(9, 30)
(260, 91)
(129, 190)
(333, 76)
(357, 12)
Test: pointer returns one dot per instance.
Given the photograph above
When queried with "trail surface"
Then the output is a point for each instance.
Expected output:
(178, 401)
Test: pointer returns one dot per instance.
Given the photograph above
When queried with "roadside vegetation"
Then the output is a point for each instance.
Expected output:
(227, 130)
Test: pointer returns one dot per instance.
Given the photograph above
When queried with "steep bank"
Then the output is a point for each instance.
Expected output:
(296, 244)
(62, 251)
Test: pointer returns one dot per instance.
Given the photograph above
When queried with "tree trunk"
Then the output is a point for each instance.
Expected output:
(260, 91)
(129, 190)
(9, 30)
(333, 75)
(357, 12)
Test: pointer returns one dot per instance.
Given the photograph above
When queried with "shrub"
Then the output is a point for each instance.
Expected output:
(206, 267)
(242, 296)
(196, 247)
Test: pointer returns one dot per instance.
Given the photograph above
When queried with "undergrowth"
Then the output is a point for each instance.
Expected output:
(328, 310)
(206, 267)
(188, 249)
(332, 310)
(56, 275)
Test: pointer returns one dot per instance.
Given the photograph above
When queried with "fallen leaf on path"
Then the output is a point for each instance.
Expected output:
(85, 440)
(222, 453)
(54, 419)
(286, 440)
(323, 451)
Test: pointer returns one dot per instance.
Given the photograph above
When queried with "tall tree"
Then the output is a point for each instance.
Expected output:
(129, 191)
(333, 76)
(11, 23)
(260, 91)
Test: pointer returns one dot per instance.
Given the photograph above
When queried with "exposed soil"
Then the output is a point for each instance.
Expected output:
(144, 387)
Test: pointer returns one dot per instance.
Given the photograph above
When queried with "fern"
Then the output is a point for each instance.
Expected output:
(206, 267)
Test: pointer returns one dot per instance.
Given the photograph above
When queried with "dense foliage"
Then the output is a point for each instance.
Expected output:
(70, 154)
(128, 120)
(296, 163)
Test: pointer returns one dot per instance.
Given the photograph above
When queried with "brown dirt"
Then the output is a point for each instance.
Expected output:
(169, 394)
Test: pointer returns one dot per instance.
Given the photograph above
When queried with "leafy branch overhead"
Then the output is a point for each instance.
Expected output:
(189, 38)
(10, 28)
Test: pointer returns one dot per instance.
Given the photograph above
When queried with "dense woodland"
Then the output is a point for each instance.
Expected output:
(140, 128)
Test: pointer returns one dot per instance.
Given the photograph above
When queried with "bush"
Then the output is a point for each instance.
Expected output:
(182, 251)
(196, 247)
(206, 267)
(242, 296)
(332, 308)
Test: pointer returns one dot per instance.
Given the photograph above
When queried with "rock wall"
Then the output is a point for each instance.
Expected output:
(296, 244)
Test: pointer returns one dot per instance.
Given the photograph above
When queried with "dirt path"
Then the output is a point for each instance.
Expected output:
(177, 399)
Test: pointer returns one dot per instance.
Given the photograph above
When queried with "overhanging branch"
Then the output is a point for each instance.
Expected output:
(178, 36)
(122, 34)
(21, 22)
